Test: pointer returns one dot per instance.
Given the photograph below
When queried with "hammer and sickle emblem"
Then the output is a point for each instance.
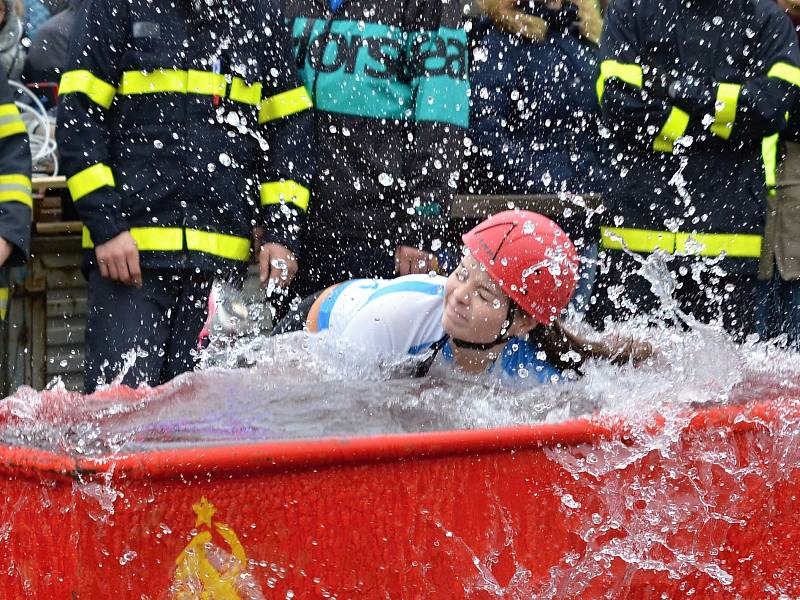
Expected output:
(205, 571)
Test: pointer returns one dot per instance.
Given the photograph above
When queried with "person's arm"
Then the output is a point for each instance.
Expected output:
(753, 108)
(15, 182)
(636, 100)
(614, 348)
(87, 90)
(632, 108)
(286, 168)
(437, 55)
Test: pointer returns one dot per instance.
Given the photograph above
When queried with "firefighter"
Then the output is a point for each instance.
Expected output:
(389, 83)
(15, 190)
(182, 126)
(693, 93)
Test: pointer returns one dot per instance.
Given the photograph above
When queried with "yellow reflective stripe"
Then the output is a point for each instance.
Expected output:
(11, 122)
(636, 240)
(284, 104)
(769, 156)
(786, 72)
(16, 188)
(244, 93)
(170, 239)
(285, 191)
(155, 239)
(703, 244)
(627, 72)
(674, 128)
(9, 110)
(154, 82)
(21, 180)
(713, 244)
(90, 179)
(205, 84)
(725, 109)
(14, 128)
(3, 303)
(189, 82)
(219, 244)
(173, 81)
(148, 239)
(16, 196)
(100, 92)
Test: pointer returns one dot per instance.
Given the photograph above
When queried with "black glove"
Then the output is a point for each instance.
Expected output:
(695, 95)
(656, 82)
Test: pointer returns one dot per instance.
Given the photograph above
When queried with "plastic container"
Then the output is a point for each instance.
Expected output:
(446, 515)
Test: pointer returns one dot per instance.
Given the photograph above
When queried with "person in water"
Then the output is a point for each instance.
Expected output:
(498, 312)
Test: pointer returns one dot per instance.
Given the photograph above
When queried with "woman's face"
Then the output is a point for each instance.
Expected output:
(475, 306)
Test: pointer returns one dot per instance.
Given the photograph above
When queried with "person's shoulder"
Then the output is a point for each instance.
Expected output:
(267, 7)
(639, 9)
(429, 285)
(768, 11)
(524, 361)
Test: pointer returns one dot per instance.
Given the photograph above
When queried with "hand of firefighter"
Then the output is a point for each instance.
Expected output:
(623, 349)
(277, 264)
(5, 250)
(695, 95)
(118, 259)
(655, 82)
(412, 261)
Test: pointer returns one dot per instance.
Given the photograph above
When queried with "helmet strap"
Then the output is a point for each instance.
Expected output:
(501, 338)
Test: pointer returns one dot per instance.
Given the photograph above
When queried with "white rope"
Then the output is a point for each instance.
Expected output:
(40, 127)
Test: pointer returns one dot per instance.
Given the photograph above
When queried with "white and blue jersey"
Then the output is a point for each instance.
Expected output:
(390, 318)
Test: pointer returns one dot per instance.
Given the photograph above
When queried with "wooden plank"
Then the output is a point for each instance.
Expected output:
(44, 182)
(59, 227)
(469, 206)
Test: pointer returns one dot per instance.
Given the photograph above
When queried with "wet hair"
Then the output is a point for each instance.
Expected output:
(568, 352)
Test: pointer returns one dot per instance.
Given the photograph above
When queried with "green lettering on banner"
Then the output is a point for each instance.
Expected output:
(443, 94)
(368, 70)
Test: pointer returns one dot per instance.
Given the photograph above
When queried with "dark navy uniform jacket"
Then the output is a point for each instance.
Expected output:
(15, 187)
(534, 118)
(693, 95)
(188, 129)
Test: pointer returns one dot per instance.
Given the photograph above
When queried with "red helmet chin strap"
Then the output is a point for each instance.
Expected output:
(502, 337)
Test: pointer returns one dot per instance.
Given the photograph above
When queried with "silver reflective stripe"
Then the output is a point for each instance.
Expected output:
(9, 119)
(15, 187)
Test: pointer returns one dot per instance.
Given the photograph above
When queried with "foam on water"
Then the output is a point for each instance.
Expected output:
(300, 386)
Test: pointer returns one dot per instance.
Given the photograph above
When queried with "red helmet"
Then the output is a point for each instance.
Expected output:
(530, 258)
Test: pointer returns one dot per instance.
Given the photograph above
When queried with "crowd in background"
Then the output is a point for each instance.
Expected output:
(682, 124)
